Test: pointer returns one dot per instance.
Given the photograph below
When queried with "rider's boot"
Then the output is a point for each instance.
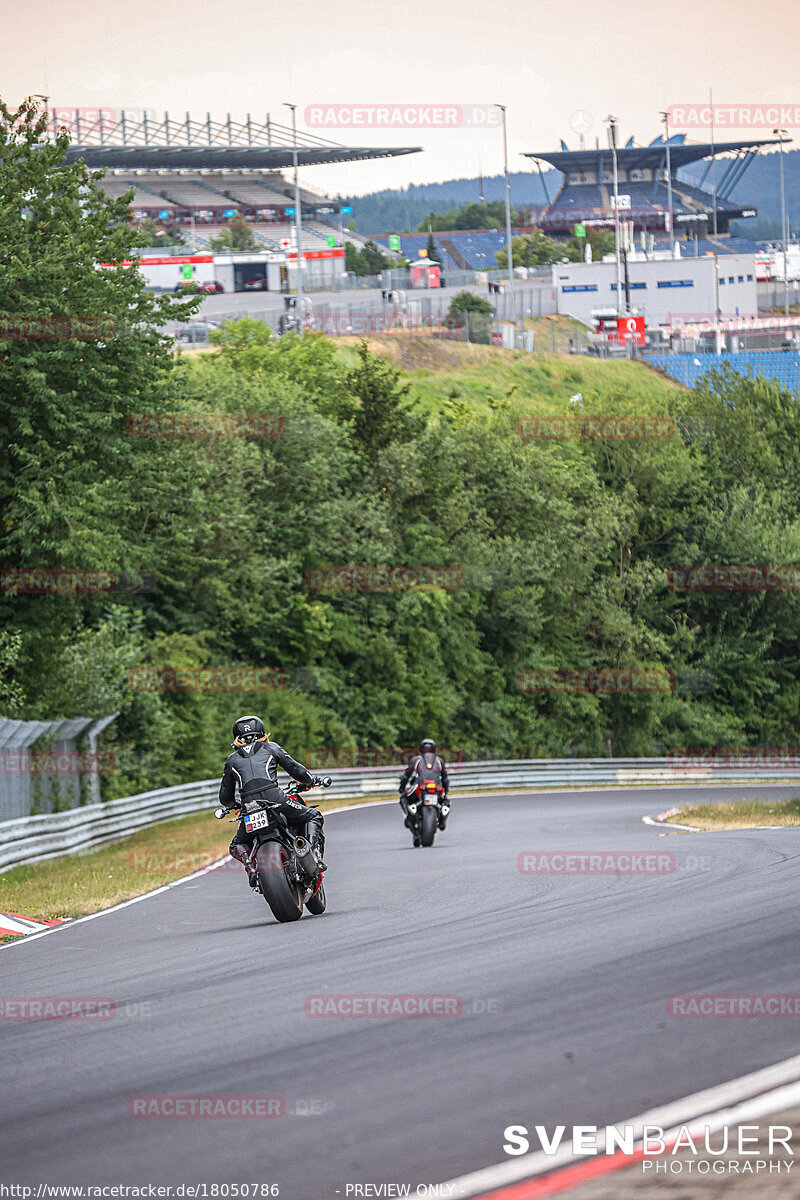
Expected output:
(314, 834)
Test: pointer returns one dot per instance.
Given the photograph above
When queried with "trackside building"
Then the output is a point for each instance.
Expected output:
(661, 289)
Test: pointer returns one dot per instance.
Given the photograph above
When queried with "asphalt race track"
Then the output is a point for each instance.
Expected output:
(563, 983)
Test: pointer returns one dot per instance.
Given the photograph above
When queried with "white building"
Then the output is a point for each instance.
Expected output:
(661, 289)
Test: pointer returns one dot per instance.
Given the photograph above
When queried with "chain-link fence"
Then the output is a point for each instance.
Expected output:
(50, 766)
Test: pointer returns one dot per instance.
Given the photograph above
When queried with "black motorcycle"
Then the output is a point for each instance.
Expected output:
(427, 809)
(285, 865)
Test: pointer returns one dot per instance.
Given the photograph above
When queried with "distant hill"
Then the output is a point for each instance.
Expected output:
(394, 210)
(403, 208)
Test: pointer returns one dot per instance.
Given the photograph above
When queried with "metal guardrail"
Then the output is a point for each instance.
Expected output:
(29, 839)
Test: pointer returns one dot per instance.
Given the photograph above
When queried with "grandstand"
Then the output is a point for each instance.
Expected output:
(199, 175)
(474, 250)
(586, 193)
(782, 365)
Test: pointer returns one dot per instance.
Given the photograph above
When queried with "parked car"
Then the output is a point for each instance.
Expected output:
(257, 284)
(194, 332)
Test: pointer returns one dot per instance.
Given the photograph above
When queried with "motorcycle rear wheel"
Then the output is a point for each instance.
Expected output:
(430, 822)
(282, 896)
(316, 905)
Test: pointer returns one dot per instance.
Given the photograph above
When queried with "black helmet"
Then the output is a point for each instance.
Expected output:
(247, 730)
(427, 746)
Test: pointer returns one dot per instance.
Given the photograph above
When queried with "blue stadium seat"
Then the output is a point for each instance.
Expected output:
(781, 365)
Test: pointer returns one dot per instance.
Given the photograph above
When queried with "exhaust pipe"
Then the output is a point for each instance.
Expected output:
(306, 856)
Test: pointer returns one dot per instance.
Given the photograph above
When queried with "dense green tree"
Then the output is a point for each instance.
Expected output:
(354, 260)
(478, 215)
(375, 259)
(532, 250)
(467, 301)
(474, 314)
(557, 552)
(162, 233)
(237, 236)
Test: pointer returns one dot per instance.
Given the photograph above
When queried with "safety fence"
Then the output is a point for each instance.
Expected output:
(47, 766)
(28, 839)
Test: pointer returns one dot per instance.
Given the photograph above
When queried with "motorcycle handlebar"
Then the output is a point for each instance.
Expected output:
(319, 781)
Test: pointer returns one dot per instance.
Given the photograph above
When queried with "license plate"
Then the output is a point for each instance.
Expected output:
(256, 820)
(430, 799)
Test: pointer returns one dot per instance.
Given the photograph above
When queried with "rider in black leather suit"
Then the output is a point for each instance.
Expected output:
(253, 769)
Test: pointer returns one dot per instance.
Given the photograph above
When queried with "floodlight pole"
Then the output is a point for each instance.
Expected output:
(716, 246)
(502, 108)
(612, 141)
(784, 229)
(665, 118)
(298, 224)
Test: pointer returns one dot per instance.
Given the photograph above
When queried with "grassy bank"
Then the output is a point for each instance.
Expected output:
(84, 883)
(741, 814)
(442, 371)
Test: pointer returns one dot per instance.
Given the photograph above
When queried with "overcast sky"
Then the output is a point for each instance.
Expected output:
(545, 60)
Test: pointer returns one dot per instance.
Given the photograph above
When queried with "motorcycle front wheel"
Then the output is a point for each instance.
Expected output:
(282, 896)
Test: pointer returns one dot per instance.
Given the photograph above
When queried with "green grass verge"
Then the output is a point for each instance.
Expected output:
(78, 884)
(740, 814)
(442, 371)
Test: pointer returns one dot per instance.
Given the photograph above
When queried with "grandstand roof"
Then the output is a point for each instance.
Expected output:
(644, 156)
(142, 143)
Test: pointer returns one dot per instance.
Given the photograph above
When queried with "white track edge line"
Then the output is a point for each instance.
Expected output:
(71, 923)
(742, 1098)
(672, 825)
(32, 937)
